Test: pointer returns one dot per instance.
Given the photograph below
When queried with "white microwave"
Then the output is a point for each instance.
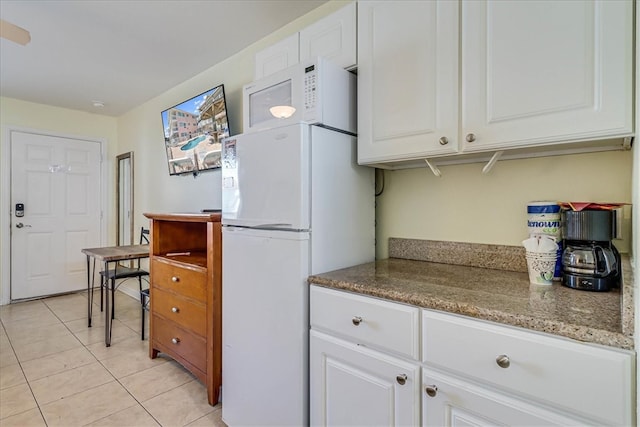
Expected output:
(316, 92)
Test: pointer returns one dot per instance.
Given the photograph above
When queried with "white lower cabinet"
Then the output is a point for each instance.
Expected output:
(352, 385)
(466, 372)
(450, 401)
(593, 383)
(364, 365)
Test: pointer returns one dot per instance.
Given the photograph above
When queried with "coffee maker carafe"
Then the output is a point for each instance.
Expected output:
(590, 261)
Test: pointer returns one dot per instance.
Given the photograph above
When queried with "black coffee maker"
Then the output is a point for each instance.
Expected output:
(590, 261)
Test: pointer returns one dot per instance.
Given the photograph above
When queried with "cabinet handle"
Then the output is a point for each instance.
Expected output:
(503, 361)
(175, 309)
(175, 279)
(402, 379)
(356, 320)
(443, 140)
(470, 137)
(431, 390)
(175, 340)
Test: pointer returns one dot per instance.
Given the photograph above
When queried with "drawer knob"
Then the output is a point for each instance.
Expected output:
(175, 309)
(402, 379)
(443, 140)
(503, 361)
(470, 137)
(431, 390)
(356, 320)
(175, 279)
(175, 340)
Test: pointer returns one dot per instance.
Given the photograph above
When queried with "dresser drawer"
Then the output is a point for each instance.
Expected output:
(368, 321)
(190, 282)
(590, 380)
(184, 312)
(191, 347)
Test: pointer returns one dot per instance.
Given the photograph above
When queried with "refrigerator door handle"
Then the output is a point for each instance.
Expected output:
(276, 226)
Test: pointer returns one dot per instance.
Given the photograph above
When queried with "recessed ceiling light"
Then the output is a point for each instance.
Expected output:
(98, 104)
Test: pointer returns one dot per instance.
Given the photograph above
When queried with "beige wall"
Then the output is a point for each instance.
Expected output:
(466, 206)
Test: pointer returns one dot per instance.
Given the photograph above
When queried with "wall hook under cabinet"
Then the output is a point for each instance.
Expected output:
(433, 168)
(494, 159)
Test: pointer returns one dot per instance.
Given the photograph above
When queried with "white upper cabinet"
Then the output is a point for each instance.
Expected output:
(544, 72)
(332, 37)
(407, 79)
(448, 78)
(277, 57)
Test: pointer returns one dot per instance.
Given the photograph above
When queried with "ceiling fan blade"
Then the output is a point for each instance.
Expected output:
(14, 33)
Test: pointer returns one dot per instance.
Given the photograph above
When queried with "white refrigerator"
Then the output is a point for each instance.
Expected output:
(294, 203)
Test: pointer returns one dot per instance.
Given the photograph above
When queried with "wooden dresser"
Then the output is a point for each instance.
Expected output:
(185, 319)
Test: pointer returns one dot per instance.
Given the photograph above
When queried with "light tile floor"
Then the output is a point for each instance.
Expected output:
(56, 371)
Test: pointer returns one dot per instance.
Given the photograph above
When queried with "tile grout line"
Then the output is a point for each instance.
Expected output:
(19, 362)
(25, 377)
(86, 347)
(113, 376)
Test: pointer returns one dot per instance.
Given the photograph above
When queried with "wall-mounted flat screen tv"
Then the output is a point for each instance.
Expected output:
(193, 132)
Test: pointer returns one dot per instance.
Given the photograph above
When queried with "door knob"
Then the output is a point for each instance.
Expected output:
(431, 390)
(356, 320)
(503, 361)
(470, 137)
(443, 140)
(401, 379)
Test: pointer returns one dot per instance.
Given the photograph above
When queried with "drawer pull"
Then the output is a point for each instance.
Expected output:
(402, 379)
(175, 340)
(356, 320)
(175, 309)
(431, 390)
(503, 361)
(175, 279)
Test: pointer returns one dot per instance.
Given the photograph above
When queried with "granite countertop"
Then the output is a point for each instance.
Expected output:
(489, 289)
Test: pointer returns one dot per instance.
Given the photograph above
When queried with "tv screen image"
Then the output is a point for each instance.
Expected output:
(193, 132)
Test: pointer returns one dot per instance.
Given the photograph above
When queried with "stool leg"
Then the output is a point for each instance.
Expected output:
(102, 280)
(142, 298)
(142, 310)
(113, 298)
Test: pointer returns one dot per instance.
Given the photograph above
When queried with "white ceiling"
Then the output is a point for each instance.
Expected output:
(124, 53)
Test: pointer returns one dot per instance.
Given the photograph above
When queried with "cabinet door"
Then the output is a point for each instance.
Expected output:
(452, 402)
(351, 385)
(277, 57)
(333, 37)
(407, 79)
(540, 72)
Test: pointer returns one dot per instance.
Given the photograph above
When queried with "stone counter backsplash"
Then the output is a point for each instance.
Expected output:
(497, 257)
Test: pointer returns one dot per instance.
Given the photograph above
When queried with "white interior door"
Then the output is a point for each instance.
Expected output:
(58, 182)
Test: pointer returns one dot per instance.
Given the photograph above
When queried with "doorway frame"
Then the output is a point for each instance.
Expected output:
(5, 198)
